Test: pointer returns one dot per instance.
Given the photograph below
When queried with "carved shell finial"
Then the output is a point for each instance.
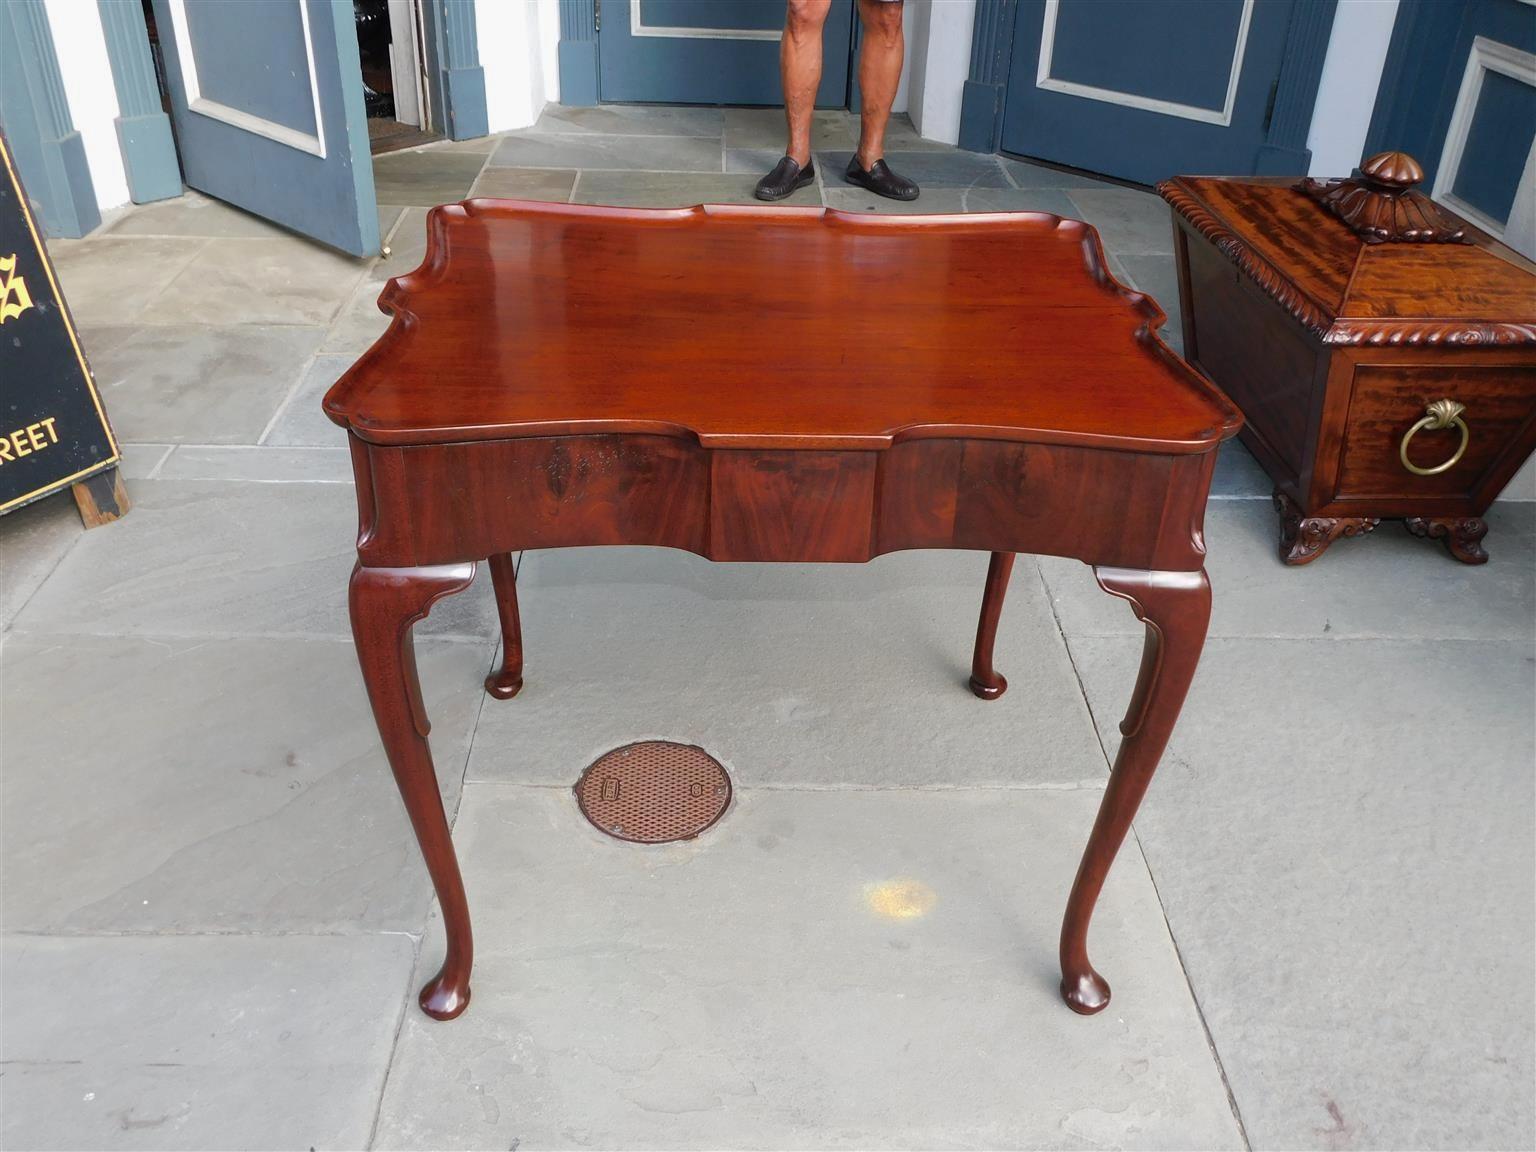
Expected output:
(1381, 207)
(1392, 170)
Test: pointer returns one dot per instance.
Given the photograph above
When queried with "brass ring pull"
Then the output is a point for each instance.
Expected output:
(1439, 414)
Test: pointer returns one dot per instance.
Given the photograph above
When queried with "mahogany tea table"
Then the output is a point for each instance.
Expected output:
(772, 384)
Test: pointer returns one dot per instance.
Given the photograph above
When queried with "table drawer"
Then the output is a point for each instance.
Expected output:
(1386, 401)
(791, 505)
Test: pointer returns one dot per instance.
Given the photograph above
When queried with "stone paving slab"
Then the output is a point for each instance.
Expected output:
(159, 785)
(820, 676)
(765, 129)
(610, 152)
(33, 540)
(629, 119)
(1387, 584)
(200, 383)
(92, 275)
(262, 464)
(426, 177)
(202, 1042)
(284, 281)
(676, 189)
(269, 560)
(1341, 836)
(525, 184)
(1130, 222)
(820, 970)
(848, 198)
(302, 422)
(950, 169)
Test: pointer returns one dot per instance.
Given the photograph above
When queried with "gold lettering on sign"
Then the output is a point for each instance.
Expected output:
(25, 441)
(14, 297)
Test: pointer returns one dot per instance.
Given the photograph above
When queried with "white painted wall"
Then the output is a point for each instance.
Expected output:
(904, 85)
(87, 74)
(939, 54)
(1346, 96)
(519, 45)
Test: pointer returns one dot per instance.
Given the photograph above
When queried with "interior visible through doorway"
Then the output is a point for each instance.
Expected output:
(389, 39)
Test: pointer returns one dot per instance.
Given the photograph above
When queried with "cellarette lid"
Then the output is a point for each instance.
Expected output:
(1368, 260)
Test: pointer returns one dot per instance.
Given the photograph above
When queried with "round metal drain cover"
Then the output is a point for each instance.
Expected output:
(654, 791)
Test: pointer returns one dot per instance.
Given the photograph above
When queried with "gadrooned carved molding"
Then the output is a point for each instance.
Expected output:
(1346, 332)
(1428, 332)
(1270, 279)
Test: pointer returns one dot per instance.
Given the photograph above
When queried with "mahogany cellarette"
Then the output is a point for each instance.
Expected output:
(772, 384)
(1383, 351)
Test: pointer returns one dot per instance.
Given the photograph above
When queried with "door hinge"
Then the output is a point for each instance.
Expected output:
(597, 16)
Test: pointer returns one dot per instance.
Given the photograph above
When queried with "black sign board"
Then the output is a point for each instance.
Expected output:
(53, 430)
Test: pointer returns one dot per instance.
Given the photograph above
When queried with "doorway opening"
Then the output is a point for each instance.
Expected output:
(396, 95)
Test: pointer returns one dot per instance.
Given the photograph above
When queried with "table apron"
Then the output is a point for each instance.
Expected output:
(446, 503)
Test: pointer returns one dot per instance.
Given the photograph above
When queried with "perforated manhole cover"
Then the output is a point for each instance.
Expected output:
(654, 791)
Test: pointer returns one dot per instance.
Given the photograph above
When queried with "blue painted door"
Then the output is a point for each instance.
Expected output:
(267, 101)
(1144, 89)
(1460, 96)
(710, 52)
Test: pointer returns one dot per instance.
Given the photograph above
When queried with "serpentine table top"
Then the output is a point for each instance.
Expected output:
(785, 384)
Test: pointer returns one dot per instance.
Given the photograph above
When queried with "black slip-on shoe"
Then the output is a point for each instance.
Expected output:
(880, 180)
(786, 179)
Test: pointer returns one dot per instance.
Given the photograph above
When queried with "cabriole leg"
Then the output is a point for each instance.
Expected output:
(1176, 607)
(385, 603)
(507, 681)
(986, 681)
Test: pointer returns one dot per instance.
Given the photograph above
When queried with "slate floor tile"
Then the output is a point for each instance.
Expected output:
(629, 120)
(33, 539)
(1239, 475)
(525, 184)
(270, 560)
(1131, 223)
(765, 129)
(228, 785)
(358, 322)
(302, 422)
(1024, 174)
(930, 169)
(110, 281)
(953, 200)
(608, 152)
(208, 1042)
(674, 189)
(407, 247)
(200, 383)
(745, 990)
(430, 176)
(287, 281)
(1341, 838)
(1158, 277)
(1388, 584)
(265, 465)
(823, 676)
(192, 214)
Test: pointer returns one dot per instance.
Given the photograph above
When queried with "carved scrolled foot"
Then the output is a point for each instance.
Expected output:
(1086, 992)
(1462, 534)
(1304, 538)
(986, 681)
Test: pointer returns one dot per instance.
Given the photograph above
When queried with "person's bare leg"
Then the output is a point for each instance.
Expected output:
(879, 73)
(800, 68)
